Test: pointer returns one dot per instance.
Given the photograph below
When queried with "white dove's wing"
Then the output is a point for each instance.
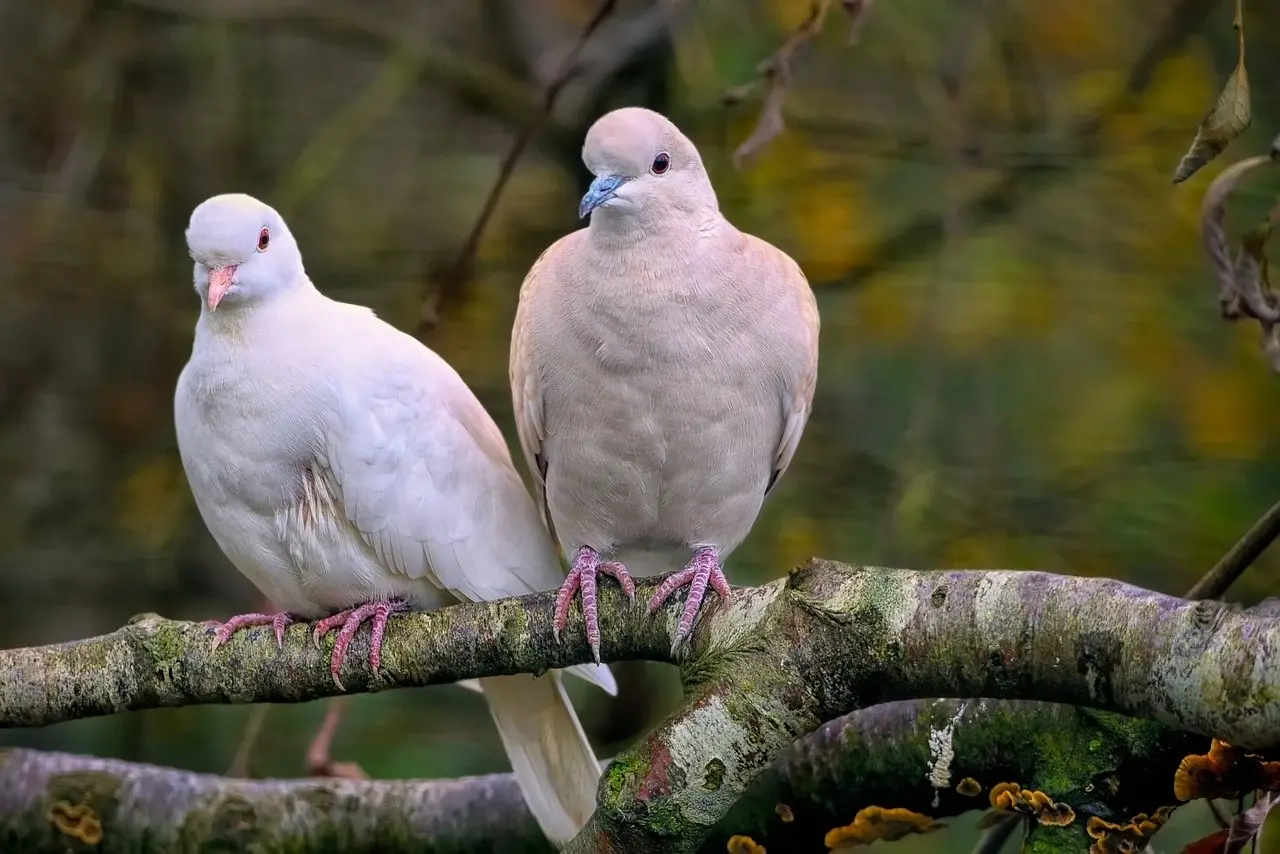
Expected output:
(423, 473)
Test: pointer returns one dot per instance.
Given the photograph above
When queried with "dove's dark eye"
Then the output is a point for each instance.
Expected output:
(264, 240)
(661, 164)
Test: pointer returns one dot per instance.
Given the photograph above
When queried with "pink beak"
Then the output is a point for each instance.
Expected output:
(220, 281)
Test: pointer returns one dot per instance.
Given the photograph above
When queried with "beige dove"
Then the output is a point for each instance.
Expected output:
(663, 366)
(349, 472)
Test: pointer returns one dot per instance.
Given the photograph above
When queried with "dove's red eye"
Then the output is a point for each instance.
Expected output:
(264, 240)
(661, 164)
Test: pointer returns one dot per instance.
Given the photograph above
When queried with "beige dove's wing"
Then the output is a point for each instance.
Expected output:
(802, 375)
(526, 382)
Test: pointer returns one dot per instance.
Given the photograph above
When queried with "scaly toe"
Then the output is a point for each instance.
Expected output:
(618, 572)
(673, 583)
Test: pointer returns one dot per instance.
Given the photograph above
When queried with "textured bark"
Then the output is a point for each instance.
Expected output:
(764, 670)
(153, 662)
(878, 756)
(130, 808)
(831, 638)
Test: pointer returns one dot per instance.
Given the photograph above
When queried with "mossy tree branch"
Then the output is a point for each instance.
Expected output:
(764, 670)
(877, 756)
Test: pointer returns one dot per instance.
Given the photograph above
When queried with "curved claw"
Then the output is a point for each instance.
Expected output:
(348, 622)
(583, 575)
(702, 570)
(222, 632)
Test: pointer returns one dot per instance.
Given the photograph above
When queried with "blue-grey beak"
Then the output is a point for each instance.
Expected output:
(602, 190)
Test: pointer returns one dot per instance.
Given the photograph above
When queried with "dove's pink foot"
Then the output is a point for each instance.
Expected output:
(224, 631)
(582, 575)
(348, 623)
(702, 570)
(319, 762)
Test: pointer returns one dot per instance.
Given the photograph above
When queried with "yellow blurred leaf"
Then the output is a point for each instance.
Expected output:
(1221, 412)
(1228, 118)
(788, 14)
(1083, 31)
(1084, 439)
(918, 492)
(975, 553)
(151, 501)
(1177, 92)
(797, 540)
(1086, 94)
(888, 311)
(826, 224)
(991, 279)
(1150, 351)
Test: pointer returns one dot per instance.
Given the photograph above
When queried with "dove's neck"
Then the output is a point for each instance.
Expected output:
(237, 320)
(666, 232)
(655, 257)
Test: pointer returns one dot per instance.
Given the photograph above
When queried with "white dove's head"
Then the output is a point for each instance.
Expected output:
(243, 251)
(644, 167)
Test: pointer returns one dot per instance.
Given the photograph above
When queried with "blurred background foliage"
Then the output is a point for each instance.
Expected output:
(1022, 362)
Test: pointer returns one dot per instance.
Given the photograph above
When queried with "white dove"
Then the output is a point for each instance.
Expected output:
(349, 472)
(663, 366)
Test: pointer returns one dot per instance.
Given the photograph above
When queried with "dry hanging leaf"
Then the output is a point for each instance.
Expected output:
(1228, 118)
(1244, 286)
(1234, 296)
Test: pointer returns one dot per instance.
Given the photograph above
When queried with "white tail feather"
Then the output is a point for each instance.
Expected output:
(557, 771)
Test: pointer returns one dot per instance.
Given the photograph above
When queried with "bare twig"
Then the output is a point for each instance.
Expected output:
(1239, 558)
(248, 741)
(451, 283)
(775, 74)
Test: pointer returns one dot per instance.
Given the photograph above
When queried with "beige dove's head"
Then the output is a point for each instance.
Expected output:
(243, 252)
(646, 170)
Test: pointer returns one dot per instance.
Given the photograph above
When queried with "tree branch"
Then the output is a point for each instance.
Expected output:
(826, 640)
(876, 756)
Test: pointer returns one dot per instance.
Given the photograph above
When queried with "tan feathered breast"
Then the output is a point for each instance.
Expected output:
(661, 391)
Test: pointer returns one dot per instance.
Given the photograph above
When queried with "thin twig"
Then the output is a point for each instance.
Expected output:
(1239, 558)
(451, 284)
(775, 73)
(249, 740)
(319, 755)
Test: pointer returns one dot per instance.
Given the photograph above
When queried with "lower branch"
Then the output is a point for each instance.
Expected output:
(887, 756)
(49, 800)
(940, 758)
